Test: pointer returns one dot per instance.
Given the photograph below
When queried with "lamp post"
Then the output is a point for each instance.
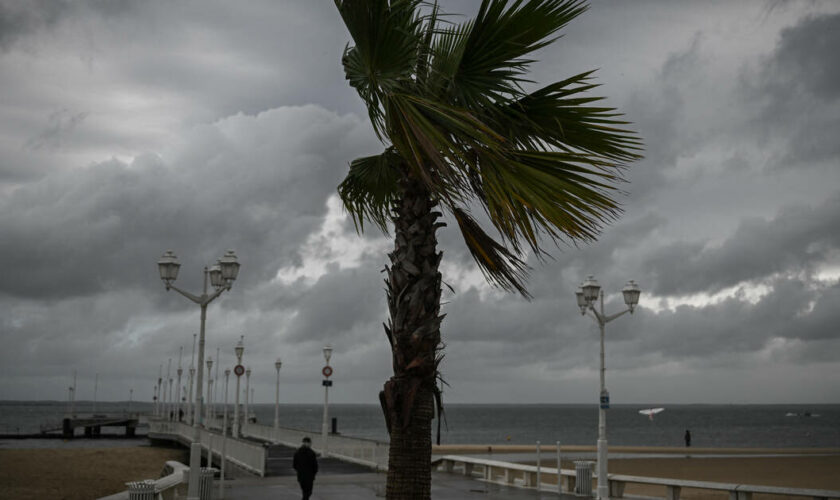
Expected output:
(238, 370)
(179, 405)
(190, 402)
(216, 386)
(130, 398)
(587, 297)
(179, 372)
(224, 437)
(247, 392)
(327, 371)
(159, 393)
(209, 424)
(277, 365)
(221, 276)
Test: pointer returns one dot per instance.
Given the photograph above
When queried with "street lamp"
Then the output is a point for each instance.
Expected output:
(228, 270)
(238, 370)
(326, 371)
(277, 365)
(587, 296)
(247, 393)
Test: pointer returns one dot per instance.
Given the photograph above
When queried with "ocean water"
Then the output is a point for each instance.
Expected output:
(736, 426)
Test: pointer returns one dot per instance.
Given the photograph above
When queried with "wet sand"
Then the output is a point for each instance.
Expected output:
(78, 474)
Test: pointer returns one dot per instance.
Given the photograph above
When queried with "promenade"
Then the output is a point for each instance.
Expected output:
(371, 486)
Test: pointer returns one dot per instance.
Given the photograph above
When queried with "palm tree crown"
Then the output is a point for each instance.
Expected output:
(449, 101)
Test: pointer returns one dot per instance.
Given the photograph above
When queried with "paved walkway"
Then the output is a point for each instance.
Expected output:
(370, 486)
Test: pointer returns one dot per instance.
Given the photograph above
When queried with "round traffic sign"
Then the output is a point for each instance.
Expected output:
(239, 370)
(327, 371)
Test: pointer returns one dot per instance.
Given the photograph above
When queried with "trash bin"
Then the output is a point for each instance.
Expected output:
(141, 490)
(583, 478)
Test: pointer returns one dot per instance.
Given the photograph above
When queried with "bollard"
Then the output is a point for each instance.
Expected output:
(539, 478)
(559, 475)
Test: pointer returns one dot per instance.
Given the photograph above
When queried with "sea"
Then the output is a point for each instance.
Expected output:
(724, 426)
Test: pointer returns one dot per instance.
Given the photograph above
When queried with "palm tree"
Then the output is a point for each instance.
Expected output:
(461, 133)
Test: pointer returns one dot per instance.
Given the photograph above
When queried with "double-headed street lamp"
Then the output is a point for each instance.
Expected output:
(221, 277)
(277, 365)
(327, 371)
(587, 297)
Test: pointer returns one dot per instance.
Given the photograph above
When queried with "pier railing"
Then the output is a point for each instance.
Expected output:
(247, 455)
(528, 476)
(367, 452)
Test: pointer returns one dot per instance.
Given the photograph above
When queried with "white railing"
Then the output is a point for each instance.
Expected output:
(167, 487)
(367, 452)
(526, 476)
(249, 456)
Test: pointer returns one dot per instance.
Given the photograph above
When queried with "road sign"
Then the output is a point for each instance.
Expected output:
(239, 370)
(327, 371)
(605, 400)
(326, 383)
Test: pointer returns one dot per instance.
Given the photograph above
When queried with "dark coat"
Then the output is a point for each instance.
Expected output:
(305, 463)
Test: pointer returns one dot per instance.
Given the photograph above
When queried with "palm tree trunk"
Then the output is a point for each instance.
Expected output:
(413, 289)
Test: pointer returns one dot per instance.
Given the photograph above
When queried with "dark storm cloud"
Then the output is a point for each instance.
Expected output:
(797, 89)
(181, 132)
(795, 240)
(103, 227)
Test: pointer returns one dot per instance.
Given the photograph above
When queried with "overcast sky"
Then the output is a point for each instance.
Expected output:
(129, 128)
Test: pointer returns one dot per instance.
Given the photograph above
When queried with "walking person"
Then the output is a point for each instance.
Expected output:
(687, 439)
(306, 465)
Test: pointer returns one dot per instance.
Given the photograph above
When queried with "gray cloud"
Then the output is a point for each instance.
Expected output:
(796, 240)
(230, 126)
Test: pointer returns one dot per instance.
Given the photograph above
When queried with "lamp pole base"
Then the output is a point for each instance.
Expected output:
(195, 470)
(603, 482)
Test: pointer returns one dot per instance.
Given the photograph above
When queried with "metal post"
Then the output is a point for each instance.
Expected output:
(224, 438)
(603, 486)
(324, 422)
(539, 467)
(215, 385)
(130, 398)
(277, 401)
(236, 410)
(95, 388)
(195, 446)
(158, 393)
(190, 408)
(178, 405)
(247, 392)
(168, 407)
(73, 398)
(559, 475)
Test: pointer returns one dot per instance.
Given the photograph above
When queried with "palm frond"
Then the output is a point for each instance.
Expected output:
(490, 63)
(371, 188)
(386, 35)
(560, 116)
(499, 266)
(561, 195)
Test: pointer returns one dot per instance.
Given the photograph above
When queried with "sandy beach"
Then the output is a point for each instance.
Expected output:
(80, 473)
(793, 468)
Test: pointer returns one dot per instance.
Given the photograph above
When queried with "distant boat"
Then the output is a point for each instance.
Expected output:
(806, 414)
(650, 412)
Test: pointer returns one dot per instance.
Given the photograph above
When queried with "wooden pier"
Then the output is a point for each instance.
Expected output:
(93, 424)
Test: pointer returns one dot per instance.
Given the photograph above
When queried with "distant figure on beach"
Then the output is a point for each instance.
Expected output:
(306, 465)
(687, 439)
